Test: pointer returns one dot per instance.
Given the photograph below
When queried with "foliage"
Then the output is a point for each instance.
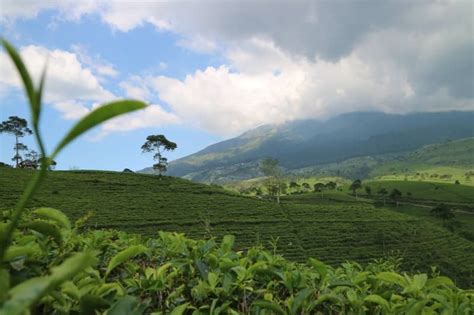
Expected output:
(19, 128)
(159, 143)
(442, 212)
(335, 229)
(177, 275)
(274, 181)
(18, 296)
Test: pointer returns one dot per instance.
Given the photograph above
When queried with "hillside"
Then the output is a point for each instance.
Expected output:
(331, 232)
(310, 143)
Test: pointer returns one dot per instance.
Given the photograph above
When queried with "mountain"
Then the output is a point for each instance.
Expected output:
(308, 143)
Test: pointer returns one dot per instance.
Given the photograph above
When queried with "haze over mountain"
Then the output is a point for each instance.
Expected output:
(305, 143)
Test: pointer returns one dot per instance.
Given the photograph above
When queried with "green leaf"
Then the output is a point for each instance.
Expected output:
(4, 284)
(320, 267)
(39, 94)
(54, 215)
(439, 281)
(179, 310)
(98, 116)
(45, 228)
(124, 255)
(25, 77)
(90, 304)
(25, 294)
(128, 305)
(14, 252)
(377, 299)
(300, 299)
(227, 243)
(392, 277)
(272, 306)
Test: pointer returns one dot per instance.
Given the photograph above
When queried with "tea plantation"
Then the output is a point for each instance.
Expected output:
(331, 232)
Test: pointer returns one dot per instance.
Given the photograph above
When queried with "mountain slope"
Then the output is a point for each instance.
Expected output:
(331, 232)
(308, 143)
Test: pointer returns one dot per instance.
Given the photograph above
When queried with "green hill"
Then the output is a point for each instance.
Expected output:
(331, 232)
(315, 143)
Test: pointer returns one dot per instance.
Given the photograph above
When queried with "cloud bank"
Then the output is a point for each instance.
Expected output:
(300, 59)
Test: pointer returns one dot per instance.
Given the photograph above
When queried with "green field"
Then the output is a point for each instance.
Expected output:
(428, 191)
(333, 232)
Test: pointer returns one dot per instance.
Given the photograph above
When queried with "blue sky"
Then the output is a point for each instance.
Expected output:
(212, 71)
(138, 51)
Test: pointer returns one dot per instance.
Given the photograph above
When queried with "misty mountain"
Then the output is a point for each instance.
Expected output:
(306, 143)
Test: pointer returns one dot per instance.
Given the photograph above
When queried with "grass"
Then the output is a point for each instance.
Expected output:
(428, 191)
(334, 231)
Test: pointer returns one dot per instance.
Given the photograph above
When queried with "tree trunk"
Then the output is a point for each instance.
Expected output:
(16, 148)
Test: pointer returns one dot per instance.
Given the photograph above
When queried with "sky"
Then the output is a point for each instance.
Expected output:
(210, 70)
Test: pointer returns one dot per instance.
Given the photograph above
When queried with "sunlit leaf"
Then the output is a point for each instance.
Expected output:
(124, 255)
(179, 310)
(377, 299)
(98, 116)
(269, 305)
(45, 228)
(54, 215)
(26, 293)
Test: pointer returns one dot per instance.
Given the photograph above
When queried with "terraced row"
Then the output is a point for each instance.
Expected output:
(331, 232)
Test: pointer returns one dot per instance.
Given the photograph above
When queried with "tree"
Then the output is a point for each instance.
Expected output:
(319, 187)
(306, 186)
(271, 169)
(19, 128)
(383, 192)
(158, 144)
(331, 185)
(442, 212)
(395, 195)
(357, 184)
(294, 186)
(368, 190)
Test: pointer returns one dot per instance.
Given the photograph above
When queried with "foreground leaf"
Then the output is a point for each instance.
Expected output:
(98, 116)
(123, 256)
(54, 215)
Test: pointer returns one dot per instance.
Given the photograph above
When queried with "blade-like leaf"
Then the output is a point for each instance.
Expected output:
(26, 293)
(98, 116)
(269, 305)
(377, 299)
(391, 277)
(300, 298)
(45, 228)
(25, 77)
(179, 310)
(124, 255)
(39, 94)
(56, 215)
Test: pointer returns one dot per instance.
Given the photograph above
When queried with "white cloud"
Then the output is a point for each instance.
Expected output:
(101, 67)
(67, 78)
(150, 117)
(300, 59)
(71, 109)
(70, 86)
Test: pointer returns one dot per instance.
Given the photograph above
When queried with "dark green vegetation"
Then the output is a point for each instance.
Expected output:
(124, 274)
(312, 145)
(429, 191)
(332, 232)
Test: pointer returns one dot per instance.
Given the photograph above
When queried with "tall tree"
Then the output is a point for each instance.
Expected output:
(271, 169)
(383, 192)
(158, 144)
(356, 185)
(17, 127)
(442, 212)
(319, 187)
(396, 195)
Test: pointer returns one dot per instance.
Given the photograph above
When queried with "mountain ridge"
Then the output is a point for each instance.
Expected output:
(305, 143)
